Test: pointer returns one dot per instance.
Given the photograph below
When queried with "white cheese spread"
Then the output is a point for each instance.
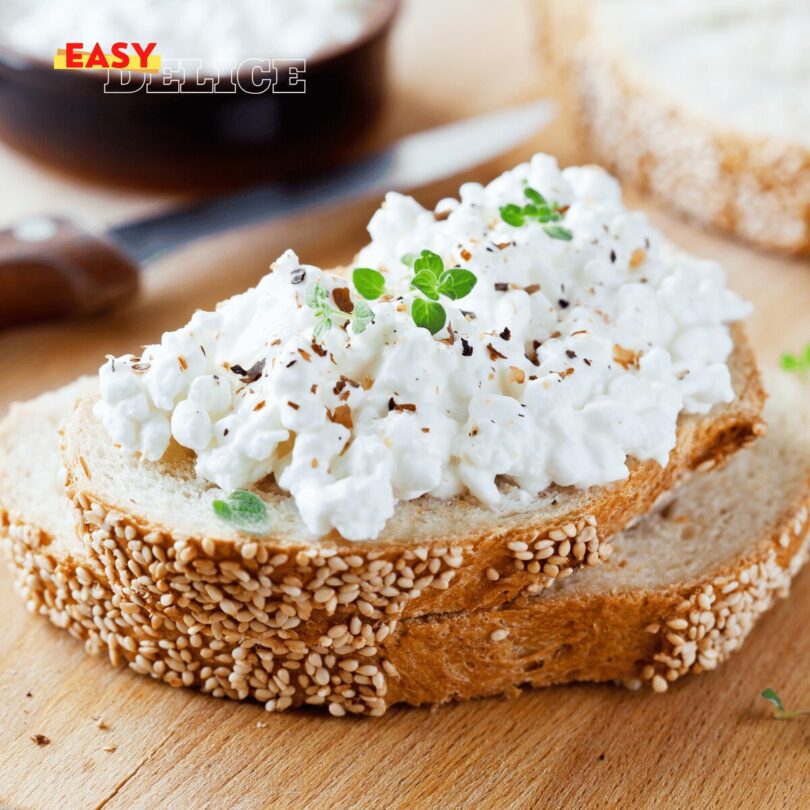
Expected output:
(568, 356)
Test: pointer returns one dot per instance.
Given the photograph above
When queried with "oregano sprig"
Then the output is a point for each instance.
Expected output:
(796, 362)
(326, 316)
(781, 713)
(244, 511)
(431, 278)
(538, 209)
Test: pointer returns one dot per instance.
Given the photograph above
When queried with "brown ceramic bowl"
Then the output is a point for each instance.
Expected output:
(196, 140)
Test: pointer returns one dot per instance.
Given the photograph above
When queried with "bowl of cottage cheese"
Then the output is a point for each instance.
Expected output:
(245, 90)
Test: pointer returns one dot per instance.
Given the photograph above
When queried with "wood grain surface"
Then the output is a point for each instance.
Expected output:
(709, 742)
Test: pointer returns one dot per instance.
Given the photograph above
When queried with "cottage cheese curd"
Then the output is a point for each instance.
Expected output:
(566, 358)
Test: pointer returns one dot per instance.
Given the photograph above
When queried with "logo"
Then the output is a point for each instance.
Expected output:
(121, 56)
(134, 66)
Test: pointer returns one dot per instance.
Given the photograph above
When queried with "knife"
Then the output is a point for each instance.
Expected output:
(51, 268)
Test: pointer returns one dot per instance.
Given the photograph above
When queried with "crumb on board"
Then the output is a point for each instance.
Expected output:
(41, 739)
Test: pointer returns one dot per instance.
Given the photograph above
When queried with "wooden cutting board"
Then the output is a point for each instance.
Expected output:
(709, 742)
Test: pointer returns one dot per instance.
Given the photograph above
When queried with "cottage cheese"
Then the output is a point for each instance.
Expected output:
(208, 30)
(742, 63)
(566, 358)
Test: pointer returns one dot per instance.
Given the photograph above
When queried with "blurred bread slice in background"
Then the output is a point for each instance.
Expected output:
(705, 105)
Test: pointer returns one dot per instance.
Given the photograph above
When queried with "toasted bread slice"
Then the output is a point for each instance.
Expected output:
(753, 185)
(682, 590)
(152, 528)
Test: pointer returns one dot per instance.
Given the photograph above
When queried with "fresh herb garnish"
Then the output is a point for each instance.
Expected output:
(539, 209)
(327, 316)
(432, 280)
(558, 232)
(781, 713)
(369, 283)
(244, 511)
(793, 362)
(362, 316)
(429, 315)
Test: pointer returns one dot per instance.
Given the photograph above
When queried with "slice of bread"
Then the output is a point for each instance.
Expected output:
(152, 528)
(701, 104)
(681, 591)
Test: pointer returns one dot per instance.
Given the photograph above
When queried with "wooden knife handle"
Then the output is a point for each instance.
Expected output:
(50, 268)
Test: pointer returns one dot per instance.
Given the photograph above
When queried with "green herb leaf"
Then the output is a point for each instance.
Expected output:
(513, 215)
(426, 282)
(432, 280)
(408, 259)
(244, 511)
(430, 262)
(538, 208)
(456, 282)
(558, 232)
(535, 196)
(798, 363)
(316, 297)
(781, 712)
(428, 315)
(322, 327)
(771, 696)
(326, 316)
(369, 283)
(362, 316)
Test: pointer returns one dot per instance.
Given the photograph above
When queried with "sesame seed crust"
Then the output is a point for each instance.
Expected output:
(639, 637)
(755, 188)
(718, 614)
(361, 667)
(344, 670)
(260, 596)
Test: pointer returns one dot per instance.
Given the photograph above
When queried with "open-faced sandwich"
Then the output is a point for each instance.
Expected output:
(483, 456)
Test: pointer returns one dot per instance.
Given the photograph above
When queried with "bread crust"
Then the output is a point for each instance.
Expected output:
(250, 587)
(638, 636)
(755, 188)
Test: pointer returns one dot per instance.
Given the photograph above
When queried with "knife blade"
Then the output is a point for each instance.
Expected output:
(415, 160)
